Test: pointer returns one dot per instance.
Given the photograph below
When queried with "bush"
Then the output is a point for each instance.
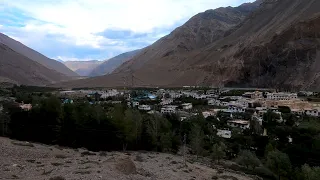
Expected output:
(57, 178)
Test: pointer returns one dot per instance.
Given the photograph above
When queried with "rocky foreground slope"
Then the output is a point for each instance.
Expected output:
(21, 160)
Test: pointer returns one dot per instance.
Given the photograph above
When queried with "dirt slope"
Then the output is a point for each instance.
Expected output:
(19, 69)
(21, 160)
(36, 56)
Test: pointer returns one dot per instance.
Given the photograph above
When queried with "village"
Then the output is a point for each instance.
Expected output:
(186, 103)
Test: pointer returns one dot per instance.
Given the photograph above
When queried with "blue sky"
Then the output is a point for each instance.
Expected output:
(96, 29)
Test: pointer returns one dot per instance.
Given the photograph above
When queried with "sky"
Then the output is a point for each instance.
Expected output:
(96, 29)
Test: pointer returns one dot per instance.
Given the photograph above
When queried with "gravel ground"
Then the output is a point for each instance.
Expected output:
(22, 160)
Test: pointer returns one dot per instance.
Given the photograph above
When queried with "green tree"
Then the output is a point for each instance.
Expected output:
(310, 173)
(218, 151)
(248, 159)
(279, 163)
(157, 127)
(197, 138)
(127, 128)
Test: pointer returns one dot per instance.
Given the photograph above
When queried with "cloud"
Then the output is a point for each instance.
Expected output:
(96, 28)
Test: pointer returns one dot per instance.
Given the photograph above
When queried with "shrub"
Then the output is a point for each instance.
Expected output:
(57, 178)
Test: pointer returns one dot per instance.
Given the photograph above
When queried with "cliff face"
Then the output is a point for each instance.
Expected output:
(270, 43)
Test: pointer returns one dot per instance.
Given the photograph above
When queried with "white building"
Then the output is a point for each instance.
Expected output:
(239, 124)
(224, 133)
(166, 101)
(144, 107)
(109, 93)
(208, 113)
(214, 102)
(135, 103)
(254, 95)
(187, 106)
(236, 109)
(168, 109)
(175, 95)
(282, 96)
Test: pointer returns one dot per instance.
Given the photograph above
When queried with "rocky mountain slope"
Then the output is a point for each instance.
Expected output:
(22, 160)
(36, 56)
(276, 45)
(167, 53)
(111, 64)
(18, 69)
(83, 68)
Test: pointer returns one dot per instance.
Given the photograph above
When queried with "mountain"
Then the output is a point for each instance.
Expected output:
(18, 69)
(83, 68)
(268, 43)
(36, 56)
(109, 65)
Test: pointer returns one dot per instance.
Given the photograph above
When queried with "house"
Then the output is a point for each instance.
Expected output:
(311, 112)
(239, 124)
(253, 95)
(168, 109)
(297, 111)
(236, 109)
(224, 133)
(282, 96)
(184, 115)
(25, 107)
(187, 106)
(214, 102)
(109, 93)
(144, 107)
(166, 101)
(135, 103)
(208, 113)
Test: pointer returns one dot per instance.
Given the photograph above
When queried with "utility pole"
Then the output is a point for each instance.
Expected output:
(184, 149)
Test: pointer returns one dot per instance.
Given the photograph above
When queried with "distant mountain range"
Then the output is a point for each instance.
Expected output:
(268, 43)
(111, 64)
(83, 68)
